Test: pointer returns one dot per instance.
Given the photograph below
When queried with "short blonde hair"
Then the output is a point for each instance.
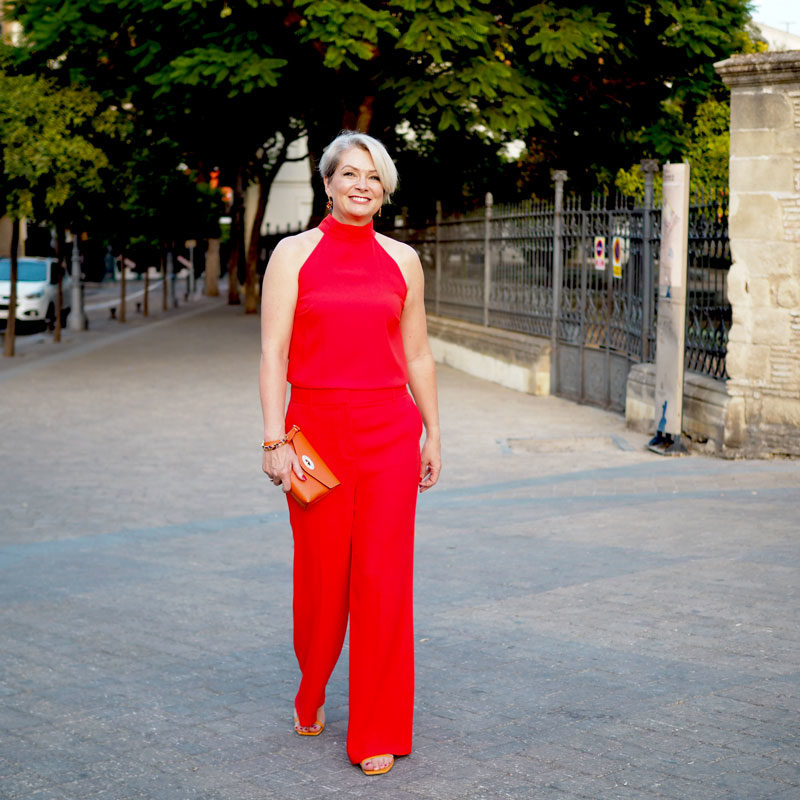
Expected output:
(384, 165)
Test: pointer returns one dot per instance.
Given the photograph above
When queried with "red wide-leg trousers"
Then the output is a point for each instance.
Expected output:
(353, 554)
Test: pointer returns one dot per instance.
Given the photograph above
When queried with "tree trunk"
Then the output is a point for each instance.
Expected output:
(318, 139)
(11, 323)
(234, 299)
(236, 240)
(251, 292)
(212, 268)
(265, 181)
(365, 113)
(61, 272)
(59, 302)
(122, 289)
(163, 281)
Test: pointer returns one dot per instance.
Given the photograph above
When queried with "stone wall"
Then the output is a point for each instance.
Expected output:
(712, 419)
(515, 360)
(764, 281)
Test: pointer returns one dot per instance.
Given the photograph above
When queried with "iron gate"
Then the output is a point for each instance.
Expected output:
(535, 268)
(604, 309)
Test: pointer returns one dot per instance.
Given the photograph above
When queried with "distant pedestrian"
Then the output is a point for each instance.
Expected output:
(110, 263)
(343, 320)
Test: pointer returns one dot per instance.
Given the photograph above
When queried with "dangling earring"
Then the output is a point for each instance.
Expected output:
(329, 205)
(380, 208)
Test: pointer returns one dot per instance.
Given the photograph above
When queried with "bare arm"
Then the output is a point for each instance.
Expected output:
(421, 369)
(278, 301)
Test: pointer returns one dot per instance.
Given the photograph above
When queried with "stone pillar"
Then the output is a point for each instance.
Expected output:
(763, 415)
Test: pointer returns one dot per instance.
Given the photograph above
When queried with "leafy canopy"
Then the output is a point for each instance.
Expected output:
(51, 143)
(589, 86)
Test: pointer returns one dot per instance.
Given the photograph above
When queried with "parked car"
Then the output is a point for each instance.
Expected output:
(37, 290)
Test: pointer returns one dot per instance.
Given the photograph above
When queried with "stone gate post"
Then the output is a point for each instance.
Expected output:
(764, 281)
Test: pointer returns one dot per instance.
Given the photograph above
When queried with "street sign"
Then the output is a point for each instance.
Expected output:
(616, 257)
(600, 252)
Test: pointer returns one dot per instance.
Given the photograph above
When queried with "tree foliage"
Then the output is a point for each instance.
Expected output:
(51, 144)
(638, 96)
(588, 86)
(49, 156)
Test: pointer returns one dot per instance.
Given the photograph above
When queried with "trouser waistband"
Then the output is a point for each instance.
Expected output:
(303, 394)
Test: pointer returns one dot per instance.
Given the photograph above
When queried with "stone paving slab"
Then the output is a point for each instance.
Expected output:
(592, 620)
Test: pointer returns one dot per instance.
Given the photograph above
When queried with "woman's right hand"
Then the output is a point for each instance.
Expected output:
(279, 464)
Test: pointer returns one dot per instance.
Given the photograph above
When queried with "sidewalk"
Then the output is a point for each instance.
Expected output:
(592, 620)
(34, 345)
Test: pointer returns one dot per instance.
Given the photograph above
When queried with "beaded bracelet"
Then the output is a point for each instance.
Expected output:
(274, 445)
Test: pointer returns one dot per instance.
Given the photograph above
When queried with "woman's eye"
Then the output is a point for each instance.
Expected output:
(376, 178)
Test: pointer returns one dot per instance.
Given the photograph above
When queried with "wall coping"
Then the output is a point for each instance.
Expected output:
(520, 348)
(759, 69)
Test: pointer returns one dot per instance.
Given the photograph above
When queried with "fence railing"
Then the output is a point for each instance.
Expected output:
(535, 267)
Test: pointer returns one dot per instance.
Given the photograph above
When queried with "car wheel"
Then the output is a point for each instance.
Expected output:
(64, 315)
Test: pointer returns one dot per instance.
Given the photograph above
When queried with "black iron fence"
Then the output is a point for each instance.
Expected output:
(580, 273)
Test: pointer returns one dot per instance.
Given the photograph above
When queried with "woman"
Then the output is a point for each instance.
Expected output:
(343, 319)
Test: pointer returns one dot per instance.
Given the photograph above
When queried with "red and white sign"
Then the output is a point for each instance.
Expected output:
(600, 252)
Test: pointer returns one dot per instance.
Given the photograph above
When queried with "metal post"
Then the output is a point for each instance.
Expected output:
(487, 257)
(609, 276)
(560, 177)
(649, 167)
(585, 256)
(438, 258)
(76, 321)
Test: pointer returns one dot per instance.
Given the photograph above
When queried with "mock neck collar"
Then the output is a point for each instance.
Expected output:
(347, 233)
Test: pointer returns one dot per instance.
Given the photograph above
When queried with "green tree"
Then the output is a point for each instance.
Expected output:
(49, 155)
(639, 96)
(256, 71)
(706, 151)
(590, 86)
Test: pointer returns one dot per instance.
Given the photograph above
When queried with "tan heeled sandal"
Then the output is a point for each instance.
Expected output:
(380, 771)
(298, 729)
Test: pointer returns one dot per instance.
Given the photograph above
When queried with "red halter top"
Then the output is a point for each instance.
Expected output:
(350, 296)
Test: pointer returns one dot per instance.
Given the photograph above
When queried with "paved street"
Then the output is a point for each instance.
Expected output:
(592, 620)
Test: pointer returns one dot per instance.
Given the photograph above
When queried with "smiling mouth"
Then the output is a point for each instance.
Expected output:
(358, 199)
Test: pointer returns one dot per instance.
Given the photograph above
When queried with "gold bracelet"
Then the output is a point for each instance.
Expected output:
(274, 445)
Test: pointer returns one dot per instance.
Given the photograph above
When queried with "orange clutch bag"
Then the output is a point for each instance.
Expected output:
(319, 479)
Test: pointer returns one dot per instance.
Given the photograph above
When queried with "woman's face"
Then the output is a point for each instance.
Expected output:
(355, 188)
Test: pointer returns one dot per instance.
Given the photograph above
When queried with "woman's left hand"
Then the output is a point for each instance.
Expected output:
(431, 463)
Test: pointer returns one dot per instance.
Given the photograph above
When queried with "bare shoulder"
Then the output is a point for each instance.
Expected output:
(399, 251)
(405, 256)
(291, 252)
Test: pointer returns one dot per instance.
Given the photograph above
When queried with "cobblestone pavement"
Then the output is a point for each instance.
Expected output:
(592, 620)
